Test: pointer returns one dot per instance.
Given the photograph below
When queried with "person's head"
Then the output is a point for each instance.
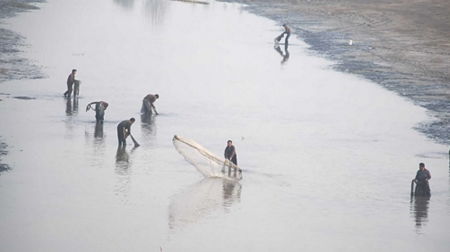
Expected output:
(157, 96)
(421, 166)
(105, 104)
(132, 120)
(74, 71)
(229, 142)
(284, 25)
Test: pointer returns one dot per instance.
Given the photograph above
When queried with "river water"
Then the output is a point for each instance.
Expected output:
(327, 157)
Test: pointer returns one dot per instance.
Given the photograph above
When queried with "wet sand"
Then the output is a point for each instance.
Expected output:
(320, 161)
(402, 45)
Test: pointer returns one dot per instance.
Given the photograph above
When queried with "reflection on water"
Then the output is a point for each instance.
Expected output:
(128, 4)
(155, 9)
(123, 172)
(122, 159)
(201, 200)
(148, 125)
(285, 54)
(71, 108)
(419, 210)
(231, 192)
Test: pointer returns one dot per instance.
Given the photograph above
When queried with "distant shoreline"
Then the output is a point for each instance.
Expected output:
(12, 65)
(402, 45)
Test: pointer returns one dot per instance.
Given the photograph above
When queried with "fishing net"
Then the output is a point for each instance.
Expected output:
(206, 162)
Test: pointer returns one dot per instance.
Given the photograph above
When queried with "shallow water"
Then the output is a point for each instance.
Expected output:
(326, 156)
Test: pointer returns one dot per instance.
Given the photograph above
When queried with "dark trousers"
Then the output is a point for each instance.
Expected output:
(99, 114)
(121, 136)
(68, 93)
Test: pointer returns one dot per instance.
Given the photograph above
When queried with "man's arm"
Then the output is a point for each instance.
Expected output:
(128, 129)
(89, 106)
(153, 106)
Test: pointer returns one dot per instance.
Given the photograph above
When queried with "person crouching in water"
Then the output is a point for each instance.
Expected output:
(422, 185)
(147, 104)
(124, 130)
(100, 107)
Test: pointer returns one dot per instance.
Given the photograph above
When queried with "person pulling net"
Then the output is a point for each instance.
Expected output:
(206, 162)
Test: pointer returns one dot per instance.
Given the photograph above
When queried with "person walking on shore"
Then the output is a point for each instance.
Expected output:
(70, 82)
(100, 107)
(147, 104)
(124, 130)
(422, 185)
(287, 32)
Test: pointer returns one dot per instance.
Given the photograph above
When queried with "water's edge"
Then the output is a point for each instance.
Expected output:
(426, 83)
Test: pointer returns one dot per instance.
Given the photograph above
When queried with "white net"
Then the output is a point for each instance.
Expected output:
(206, 162)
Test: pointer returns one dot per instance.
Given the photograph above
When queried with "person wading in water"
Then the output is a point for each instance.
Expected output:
(70, 82)
(230, 152)
(147, 104)
(422, 185)
(124, 130)
(287, 32)
(100, 107)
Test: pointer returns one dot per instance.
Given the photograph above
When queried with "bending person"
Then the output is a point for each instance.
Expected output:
(147, 104)
(100, 107)
(124, 130)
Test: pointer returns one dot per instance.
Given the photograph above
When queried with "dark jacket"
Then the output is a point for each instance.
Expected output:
(124, 125)
(423, 176)
(70, 79)
(230, 153)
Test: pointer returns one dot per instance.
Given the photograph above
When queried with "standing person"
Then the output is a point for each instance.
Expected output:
(287, 32)
(100, 108)
(422, 185)
(70, 82)
(124, 130)
(230, 152)
(147, 104)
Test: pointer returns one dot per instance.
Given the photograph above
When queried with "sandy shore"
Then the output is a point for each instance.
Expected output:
(402, 45)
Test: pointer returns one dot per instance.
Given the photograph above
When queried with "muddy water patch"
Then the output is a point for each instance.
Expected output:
(3, 152)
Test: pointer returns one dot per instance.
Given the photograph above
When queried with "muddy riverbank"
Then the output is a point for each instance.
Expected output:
(12, 65)
(401, 45)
